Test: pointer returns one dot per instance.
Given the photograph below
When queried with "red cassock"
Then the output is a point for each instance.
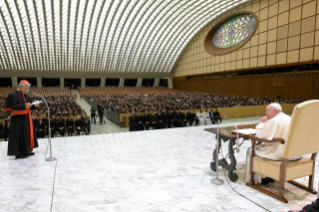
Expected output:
(22, 136)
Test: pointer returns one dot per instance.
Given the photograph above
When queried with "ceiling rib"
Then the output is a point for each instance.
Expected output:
(126, 36)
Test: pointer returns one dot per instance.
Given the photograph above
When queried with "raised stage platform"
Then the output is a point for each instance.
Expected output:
(158, 170)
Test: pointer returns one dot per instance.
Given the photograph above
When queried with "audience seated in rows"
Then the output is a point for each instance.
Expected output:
(156, 107)
(57, 126)
(60, 125)
(167, 119)
(127, 100)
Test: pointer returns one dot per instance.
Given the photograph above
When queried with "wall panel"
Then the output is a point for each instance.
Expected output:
(300, 85)
(286, 28)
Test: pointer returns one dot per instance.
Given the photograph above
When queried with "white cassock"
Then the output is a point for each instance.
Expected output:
(201, 119)
(277, 127)
(207, 118)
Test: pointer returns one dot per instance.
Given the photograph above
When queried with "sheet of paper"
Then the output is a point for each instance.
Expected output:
(36, 102)
(249, 131)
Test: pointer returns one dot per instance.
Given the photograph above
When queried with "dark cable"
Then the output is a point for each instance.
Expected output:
(56, 164)
(231, 186)
(241, 194)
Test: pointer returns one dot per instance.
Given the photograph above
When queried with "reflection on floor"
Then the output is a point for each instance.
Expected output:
(158, 170)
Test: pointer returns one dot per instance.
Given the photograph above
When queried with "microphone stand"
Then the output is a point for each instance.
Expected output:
(216, 180)
(49, 138)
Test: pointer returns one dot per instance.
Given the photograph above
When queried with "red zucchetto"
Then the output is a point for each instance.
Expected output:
(24, 82)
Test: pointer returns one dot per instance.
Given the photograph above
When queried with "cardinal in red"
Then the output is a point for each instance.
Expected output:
(22, 136)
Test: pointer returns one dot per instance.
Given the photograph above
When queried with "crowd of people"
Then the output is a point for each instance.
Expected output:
(154, 108)
(128, 100)
(60, 103)
(168, 119)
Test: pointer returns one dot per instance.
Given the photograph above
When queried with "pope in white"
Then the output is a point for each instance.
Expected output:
(201, 117)
(274, 125)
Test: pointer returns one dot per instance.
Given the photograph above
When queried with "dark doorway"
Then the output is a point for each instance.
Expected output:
(5, 82)
(112, 82)
(148, 82)
(33, 81)
(72, 83)
(50, 82)
(93, 82)
(130, 82)
(163, 83)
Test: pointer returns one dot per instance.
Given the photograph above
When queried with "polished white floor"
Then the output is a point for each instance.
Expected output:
(159, 170)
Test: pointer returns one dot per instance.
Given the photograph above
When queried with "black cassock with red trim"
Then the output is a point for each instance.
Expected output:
(22, 136)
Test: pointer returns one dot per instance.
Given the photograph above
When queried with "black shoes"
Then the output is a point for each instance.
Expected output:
(270, 179)
(21, 156)
(264, 181)
(24, 155)
(267, 180)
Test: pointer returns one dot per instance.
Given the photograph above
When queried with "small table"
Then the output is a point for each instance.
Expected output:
(226, 134)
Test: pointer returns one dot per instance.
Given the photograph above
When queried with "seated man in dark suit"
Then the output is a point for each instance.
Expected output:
(183, 117)
(46, 123)
(70, 125)
(174, 117)
(1, 129)
(61, 126)
(78, 125)
(140, 122)
(212, 116)
(86, 125)
(146, 120)
(35, 120)
(179, 120)
(217, 116)
(53, 126)
(153, 120)
(160, 120)
(190, 118)
(132, 122)
(40, 128)
(169, 119)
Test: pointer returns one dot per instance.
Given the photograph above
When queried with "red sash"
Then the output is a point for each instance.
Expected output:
(26, 112)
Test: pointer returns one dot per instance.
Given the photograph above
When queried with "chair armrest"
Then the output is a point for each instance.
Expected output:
(254, 138)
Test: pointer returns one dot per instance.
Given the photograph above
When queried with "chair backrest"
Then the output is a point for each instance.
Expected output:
(303, 133)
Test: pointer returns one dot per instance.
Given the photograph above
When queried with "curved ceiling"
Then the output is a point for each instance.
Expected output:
(102, 35)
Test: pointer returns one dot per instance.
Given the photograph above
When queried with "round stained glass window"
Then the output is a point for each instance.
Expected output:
(234, 31)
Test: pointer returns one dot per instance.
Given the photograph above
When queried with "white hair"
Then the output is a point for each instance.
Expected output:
(24, 84)
(276, 107)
